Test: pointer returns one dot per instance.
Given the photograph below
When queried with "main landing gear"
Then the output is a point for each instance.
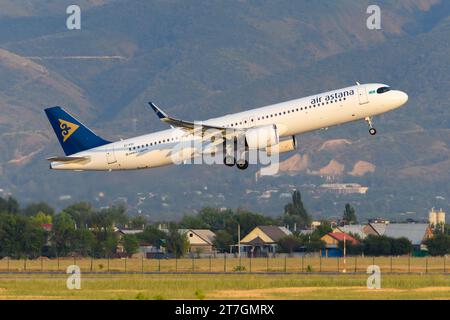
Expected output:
(230, 161)
(372, 130)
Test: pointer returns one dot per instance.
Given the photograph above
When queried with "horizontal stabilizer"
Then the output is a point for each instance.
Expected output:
(68, 159)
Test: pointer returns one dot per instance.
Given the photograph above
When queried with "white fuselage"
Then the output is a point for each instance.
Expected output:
(291, 118)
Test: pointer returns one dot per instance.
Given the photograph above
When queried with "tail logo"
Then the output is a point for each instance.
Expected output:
(67, 129)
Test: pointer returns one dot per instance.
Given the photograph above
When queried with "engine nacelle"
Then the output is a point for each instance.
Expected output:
(262, 137)
(284, 146)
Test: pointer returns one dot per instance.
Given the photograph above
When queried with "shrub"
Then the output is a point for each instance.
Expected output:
(199, 294)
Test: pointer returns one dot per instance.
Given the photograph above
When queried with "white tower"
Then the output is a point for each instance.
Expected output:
(432, 217)
(440, 217)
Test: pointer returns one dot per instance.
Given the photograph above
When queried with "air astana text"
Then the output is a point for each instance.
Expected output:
(333, 96)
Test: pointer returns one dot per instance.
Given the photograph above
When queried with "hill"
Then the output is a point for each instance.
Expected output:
(204, 59)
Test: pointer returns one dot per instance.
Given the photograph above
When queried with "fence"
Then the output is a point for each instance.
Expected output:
(231, 264)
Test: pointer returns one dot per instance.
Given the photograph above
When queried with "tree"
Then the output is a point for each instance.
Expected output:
(217, 219)
(289, 243)
(223, 240)
(349, 216)
(248, 221)
(41, 218)
(83, 242)
(350, 248)
(138, 222)
(10, 205)
(105, 244)
(152, 236)
(34, 208)
(322, 229)
(377, 245)
(193, 222)
(439, 245)
(63, 233)
(118, 214)
(20, 237)
(81, 213)
(400, 246)
(314, 245)
(130, 244)
(295, 212)
(176, 243)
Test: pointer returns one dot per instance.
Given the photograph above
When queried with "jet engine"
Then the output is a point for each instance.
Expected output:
(262, 137)
(283, 146)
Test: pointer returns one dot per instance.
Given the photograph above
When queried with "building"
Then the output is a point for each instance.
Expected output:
(361, 230)
(200, 240)
(120, 250)
(344, 188)
(376, 229)
(262, 240)
(417, 233)
(379, 220)
(436, 218)
(47, 226)
(123, 232)
(332, 241)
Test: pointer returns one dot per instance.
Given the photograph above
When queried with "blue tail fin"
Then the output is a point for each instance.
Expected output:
(72, 135)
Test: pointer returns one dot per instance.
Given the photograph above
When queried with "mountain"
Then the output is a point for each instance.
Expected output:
(200, 59)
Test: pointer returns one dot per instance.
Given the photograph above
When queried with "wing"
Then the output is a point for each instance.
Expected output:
(194, 127)
(213, 136)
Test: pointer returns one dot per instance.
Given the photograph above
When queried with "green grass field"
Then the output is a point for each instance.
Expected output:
(224, 286)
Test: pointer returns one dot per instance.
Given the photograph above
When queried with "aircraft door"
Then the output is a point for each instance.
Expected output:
(110, 155)
(362, 95)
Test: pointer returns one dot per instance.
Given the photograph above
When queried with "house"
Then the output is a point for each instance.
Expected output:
(262, 240)
(417, 233)
(376, 228)
(354, 229)
(332, 241)
(120, 250)
(47, 226)
(379, 220)
(200, 240)
(123, 232)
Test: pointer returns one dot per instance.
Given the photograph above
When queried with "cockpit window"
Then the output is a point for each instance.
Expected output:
(383, 90)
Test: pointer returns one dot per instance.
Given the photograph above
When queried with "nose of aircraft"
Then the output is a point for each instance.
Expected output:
(398, 99)
(402, 97)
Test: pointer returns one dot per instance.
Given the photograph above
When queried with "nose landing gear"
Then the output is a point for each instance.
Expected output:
(242, 164)
(372, 130)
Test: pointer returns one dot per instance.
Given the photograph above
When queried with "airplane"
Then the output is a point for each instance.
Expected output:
(271, 129)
